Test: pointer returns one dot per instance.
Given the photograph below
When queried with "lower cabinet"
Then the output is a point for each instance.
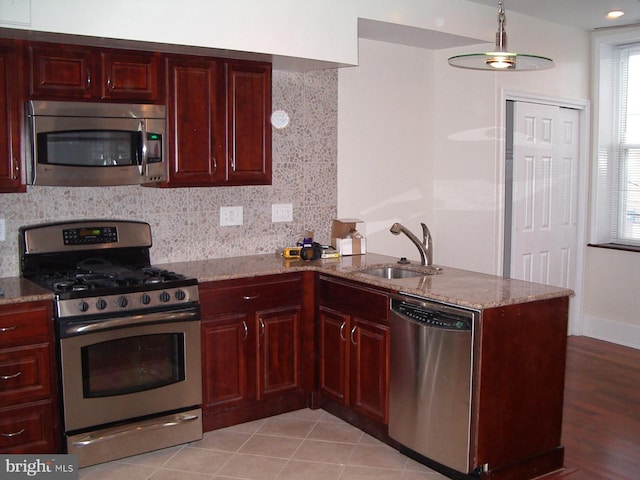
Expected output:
(253, 335)
(28, 417)
(353, 349)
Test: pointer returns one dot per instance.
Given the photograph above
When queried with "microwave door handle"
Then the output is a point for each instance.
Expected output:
(143, 164)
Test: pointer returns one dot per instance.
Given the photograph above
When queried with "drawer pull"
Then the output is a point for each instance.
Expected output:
(9, 377)
(250, 297)
(8, 329)
(14, 434)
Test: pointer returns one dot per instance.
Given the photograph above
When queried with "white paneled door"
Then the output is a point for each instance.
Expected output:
(544, 197)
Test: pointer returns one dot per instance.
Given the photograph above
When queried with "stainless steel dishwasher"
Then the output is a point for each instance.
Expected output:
(430, 379)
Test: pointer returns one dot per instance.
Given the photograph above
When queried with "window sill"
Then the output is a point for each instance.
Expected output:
(616, 246)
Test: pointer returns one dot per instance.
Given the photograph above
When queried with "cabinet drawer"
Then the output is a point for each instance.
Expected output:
(24, 374)
(24, 324)
(355, 300)
(27, 429)
(221, 297)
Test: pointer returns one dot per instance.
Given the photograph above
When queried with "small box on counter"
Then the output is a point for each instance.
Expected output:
(346, 238)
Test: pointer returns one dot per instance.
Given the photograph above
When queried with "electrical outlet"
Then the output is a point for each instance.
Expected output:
(3, 234)
(281, 212)
(230, 216)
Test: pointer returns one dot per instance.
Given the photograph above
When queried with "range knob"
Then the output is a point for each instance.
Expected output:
(83, 306)
(145, 299)
(180, 295)
(101, 304)
(165, 297)
(123, 302)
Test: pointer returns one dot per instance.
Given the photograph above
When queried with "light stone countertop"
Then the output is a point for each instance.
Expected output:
(18, 290)
(451, 285)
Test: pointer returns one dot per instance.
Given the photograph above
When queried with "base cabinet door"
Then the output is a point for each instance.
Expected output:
(333, 353)
(225, 361)
(369, 368)
(278, 359)
(251, 349)
(353, 347)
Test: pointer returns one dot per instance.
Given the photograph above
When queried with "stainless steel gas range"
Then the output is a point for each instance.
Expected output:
(128, 337)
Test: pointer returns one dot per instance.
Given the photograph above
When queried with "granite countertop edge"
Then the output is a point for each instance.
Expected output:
(450, 285)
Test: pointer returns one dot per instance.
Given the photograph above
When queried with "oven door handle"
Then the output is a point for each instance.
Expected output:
(156, 317)
(126, 430)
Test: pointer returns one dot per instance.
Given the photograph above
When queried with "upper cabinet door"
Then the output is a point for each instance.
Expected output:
(86, 73)
(61, 71)
(248, 125)
(195, 128)
(10, 176)
(130, 76)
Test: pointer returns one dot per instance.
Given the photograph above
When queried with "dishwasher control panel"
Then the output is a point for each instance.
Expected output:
(433, 314)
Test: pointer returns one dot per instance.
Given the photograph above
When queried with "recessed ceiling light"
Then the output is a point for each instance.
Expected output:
(613, 14)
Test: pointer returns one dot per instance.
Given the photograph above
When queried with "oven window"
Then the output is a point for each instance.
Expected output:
(90, 148)
(132, 364)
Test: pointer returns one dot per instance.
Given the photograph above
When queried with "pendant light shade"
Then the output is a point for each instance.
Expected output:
(500, 59)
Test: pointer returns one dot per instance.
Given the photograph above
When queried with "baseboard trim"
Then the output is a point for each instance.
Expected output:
(611, 331)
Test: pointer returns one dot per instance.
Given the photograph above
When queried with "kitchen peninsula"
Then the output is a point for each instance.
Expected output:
(281, 334)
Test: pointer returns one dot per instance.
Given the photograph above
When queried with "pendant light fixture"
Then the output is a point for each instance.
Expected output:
(500, 59)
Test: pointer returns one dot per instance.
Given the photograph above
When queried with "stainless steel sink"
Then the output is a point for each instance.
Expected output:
(390, 273)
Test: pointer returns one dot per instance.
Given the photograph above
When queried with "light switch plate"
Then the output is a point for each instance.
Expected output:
(281, 212)
(3, 234)
(230, 216)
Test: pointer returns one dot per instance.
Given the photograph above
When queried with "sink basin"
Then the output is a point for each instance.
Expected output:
(394, 272)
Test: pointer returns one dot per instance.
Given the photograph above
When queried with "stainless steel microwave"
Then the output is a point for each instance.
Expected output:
(88, 144)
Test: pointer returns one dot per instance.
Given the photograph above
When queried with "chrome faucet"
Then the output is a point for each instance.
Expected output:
(425, 247)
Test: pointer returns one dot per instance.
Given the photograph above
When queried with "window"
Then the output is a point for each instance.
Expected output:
(616, 195)
(626, 204)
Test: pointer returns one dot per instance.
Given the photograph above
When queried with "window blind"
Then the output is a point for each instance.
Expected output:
(625, 201)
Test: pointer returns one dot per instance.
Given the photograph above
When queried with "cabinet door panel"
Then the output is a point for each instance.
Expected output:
(129, 76)
(24, 374)
(27, 428)
(333, 350)
(196, 143)
(278, 351)
(10, 177)
(249, 108)
(369, 368)
(224, 369)
(61, 71)
(25, 323)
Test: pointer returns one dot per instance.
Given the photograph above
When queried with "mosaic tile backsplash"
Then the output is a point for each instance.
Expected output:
(185, 222)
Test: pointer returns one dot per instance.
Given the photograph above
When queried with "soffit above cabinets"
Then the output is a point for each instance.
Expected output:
(411, 36)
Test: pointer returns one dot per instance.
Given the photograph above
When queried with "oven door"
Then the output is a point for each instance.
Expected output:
(128, 369)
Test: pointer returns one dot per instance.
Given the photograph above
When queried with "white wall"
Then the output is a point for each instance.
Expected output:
(385, 142)
(423, 140)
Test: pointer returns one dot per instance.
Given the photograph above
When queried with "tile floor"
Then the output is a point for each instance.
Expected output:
(306, 445)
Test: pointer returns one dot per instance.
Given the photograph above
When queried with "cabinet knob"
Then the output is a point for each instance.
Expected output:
(342, 337)
(8, 329)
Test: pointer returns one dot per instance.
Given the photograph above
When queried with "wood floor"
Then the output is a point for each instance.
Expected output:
(601, 426)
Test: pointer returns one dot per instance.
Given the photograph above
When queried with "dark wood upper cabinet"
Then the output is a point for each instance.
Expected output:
(218, 119)
(130, 76)
(195, 116)
(64, 72)
(10, 165)
(249, 129)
